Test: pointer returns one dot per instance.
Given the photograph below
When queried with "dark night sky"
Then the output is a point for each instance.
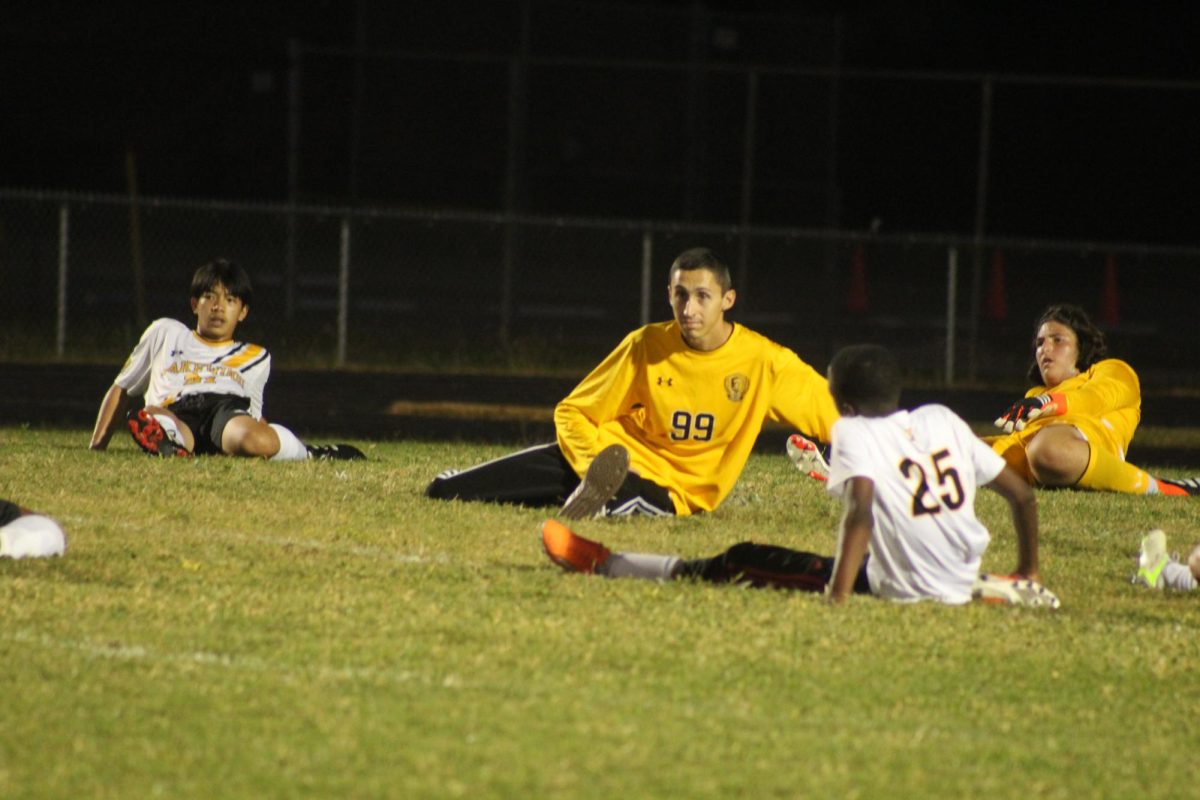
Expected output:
(198, 91)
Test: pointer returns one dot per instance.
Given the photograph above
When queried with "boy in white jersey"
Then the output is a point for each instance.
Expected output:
(203, 391)
(27, 534)
(909, 532)
(666, 422)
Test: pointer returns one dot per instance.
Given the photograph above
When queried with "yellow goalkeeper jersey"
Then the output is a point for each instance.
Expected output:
(1105, 402)
(690, 418)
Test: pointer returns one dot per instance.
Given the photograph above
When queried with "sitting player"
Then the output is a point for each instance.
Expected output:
(203, 390)
(666, 422)
(1157, 569)
(24, 534)
(908, 481)
(1074, 426)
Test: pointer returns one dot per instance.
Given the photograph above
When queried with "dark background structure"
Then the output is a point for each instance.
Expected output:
(410, 182)
(199, 92)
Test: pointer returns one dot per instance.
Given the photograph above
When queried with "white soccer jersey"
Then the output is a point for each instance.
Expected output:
(171, 361)
(925, 464)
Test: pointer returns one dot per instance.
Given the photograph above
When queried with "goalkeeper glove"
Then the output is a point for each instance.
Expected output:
(1030, 408)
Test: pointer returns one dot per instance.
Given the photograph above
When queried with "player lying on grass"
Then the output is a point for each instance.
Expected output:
(1158, 569)
(666, 422)
(907, 480)
(203, 390)
(1073, 428)
(25, 534)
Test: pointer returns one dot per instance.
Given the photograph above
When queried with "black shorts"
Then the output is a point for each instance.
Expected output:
(8, 512)
(207, 414)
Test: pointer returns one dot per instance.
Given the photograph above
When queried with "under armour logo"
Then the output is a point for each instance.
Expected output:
(667, 381)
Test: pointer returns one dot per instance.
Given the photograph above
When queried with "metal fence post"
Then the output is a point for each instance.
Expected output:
(981, 194)
(518, 109)
(343, 309)
(647, 265)
(951, 311)
(295, 53)
(747, 203)
(64, 241)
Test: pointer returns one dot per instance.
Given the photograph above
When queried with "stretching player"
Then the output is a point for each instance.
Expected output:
(908, 482)
(666, 422)
(203, 390)
(25, 534)
(1074, 426)
(1157, 569)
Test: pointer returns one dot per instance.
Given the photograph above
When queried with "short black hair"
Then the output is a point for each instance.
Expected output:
(1092, 347)
(867, 377)
(230, 275)
(703, 258)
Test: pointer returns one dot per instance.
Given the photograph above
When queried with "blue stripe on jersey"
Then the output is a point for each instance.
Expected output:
(223, 356)
(265, 355)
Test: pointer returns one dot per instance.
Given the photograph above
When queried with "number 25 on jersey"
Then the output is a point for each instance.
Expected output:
(933, 492)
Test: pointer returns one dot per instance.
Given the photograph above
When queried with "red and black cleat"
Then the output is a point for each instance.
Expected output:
(153, 438)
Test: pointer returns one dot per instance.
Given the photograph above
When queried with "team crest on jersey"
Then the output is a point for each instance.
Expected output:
(736, 386)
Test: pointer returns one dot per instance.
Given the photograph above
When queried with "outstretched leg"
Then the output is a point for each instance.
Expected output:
(760, 565)
(765, 565)
(536, 476)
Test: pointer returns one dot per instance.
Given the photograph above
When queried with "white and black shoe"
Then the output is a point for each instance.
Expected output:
(335, 452)
(1011, 590)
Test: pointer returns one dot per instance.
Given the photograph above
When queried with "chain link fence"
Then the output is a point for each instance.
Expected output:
(80, 277)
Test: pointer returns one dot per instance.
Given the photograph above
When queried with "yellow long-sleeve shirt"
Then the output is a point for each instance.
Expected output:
(1105, 402)
(690, 418)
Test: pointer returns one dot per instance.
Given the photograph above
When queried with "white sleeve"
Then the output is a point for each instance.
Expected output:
(850, 456)
(256, 384)
(986, 461)
(134, 377)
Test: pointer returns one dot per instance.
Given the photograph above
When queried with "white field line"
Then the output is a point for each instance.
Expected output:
(373, 553)
(118, 651)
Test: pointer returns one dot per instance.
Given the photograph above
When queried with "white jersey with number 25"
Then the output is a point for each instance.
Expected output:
(927, 543)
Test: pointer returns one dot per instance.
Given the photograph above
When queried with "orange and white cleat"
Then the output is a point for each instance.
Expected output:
(571, 551)
(806, 455)
(1013, 590)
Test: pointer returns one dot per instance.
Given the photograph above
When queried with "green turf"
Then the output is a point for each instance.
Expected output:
(242, 629)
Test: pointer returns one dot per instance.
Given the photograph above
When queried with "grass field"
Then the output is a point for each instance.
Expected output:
(227, 628)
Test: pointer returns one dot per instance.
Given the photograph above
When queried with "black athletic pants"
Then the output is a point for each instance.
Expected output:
(541, 476)
(766, 565)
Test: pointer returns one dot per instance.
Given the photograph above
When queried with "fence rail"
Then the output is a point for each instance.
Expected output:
(343, 285)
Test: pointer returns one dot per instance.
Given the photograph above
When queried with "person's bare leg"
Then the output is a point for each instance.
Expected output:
(249, 437)
(1058, 456)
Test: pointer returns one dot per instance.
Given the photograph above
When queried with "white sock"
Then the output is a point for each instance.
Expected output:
(290, 447)
(646, 566)
(32, 536)
(1178, 576)
(169, 428)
